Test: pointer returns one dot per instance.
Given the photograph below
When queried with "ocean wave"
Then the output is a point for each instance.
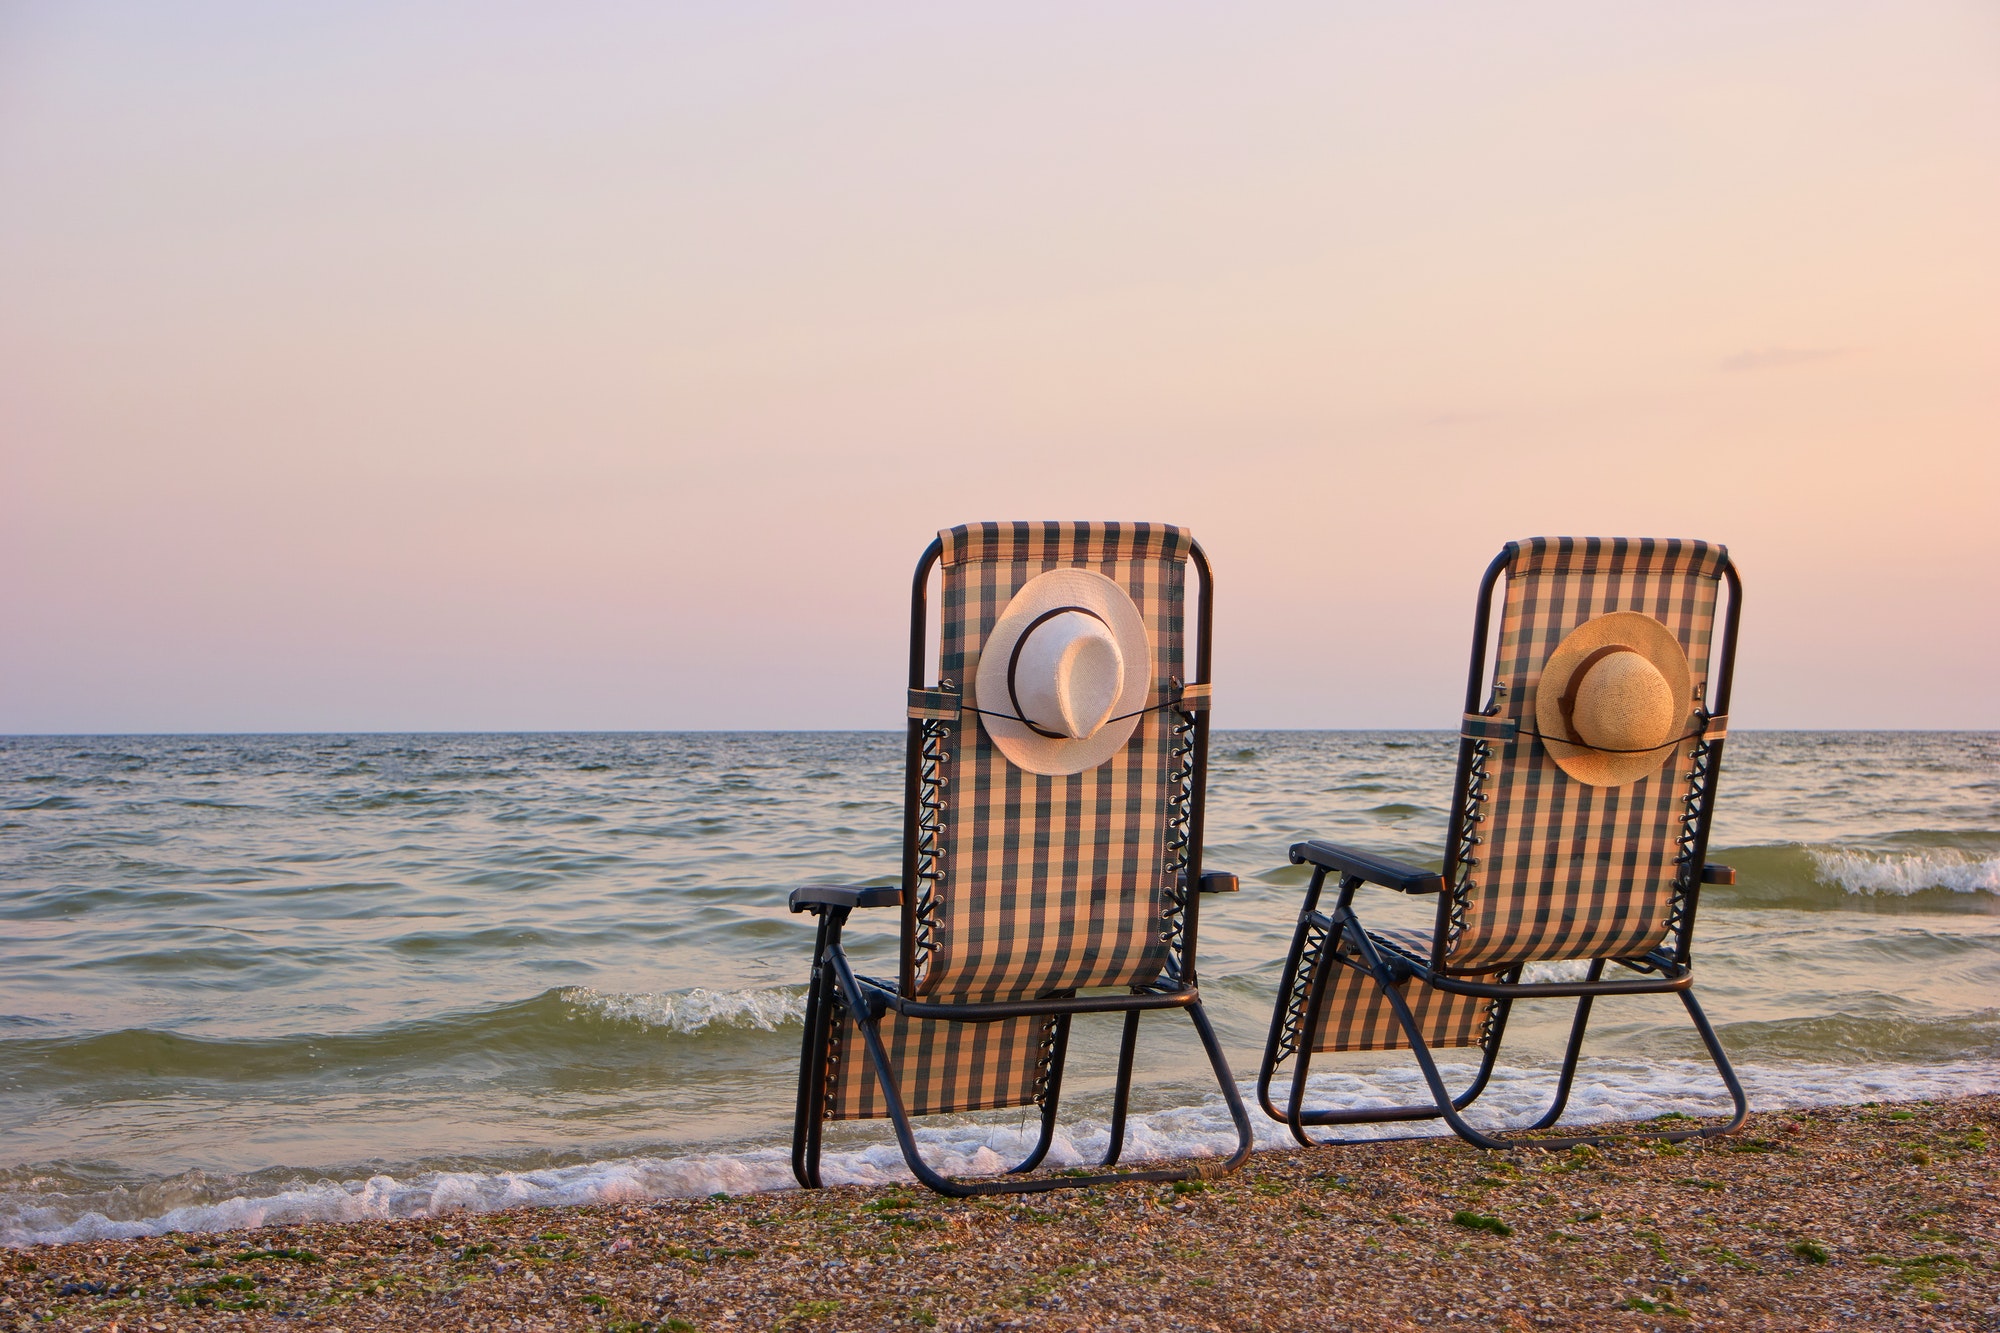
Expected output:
(45, 1212)
(1860, 1037)
(689, 1011)
(1928, 873)
(555, 1028)
(1573, 969)
(1907, 873)
(49, 803)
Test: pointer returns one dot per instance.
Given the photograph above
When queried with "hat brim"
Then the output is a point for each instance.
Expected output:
(1061, 756)
(1651, 640)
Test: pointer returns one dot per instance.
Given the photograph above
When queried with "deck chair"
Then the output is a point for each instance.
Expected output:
(1026, 898)
(1539, 866)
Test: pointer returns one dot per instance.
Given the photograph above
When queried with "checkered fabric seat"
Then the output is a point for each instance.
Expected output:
(1040, 886)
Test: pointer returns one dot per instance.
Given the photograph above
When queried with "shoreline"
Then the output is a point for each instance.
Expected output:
(110, 1209)
(1870, 1216)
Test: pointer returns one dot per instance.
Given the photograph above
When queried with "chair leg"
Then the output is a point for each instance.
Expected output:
(810, 1116)
(1566, 1079)
(1231, 1097)
(1713, 1043)
(1489, 1055)
(1288, 1020)
(1329, 960)
(1121, 1100)
(1051, 1097)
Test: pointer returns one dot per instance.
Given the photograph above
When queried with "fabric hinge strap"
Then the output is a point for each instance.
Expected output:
(1715, 728)
(1479, 727)
(1193, 698)
(935, 705)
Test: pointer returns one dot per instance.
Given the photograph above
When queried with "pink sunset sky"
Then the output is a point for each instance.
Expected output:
(490, 366)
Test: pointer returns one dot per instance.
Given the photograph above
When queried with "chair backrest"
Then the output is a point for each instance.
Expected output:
(1032, 885)
(1561, 869)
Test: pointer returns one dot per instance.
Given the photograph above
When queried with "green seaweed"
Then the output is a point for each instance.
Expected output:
(1723, 1254)
(1920, 1270)
(1472, 1221)
(295, 1255)
(212, 1294)
(1644, 1306)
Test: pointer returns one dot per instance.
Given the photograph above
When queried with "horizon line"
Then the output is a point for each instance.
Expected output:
(858, 731)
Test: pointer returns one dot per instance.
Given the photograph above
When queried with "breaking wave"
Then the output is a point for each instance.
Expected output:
(1926, 873)
(1904, 874)
(554, 1028)
(689, 1011)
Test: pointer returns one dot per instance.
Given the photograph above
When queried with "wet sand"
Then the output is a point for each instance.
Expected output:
(1842, 1217)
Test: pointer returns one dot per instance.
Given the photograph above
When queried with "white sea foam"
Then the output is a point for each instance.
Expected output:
(1605, 1090)
(690, 1011)
(1904, 873)
(1574, 969)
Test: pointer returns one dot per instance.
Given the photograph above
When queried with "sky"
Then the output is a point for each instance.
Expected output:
(417, 366)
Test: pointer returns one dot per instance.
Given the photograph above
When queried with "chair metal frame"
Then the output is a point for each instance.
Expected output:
(1314, 955)
(835, 984)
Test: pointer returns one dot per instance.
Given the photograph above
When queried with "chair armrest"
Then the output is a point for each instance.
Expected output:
(1715, 874)
(1217, 881)
(1367, 868)
(816, 897)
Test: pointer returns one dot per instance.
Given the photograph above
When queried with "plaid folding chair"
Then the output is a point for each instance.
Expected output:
(1538, 866)
(1026, 899)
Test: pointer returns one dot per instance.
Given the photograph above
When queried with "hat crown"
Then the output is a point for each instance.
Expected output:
(1067, 674)
(1623, 703)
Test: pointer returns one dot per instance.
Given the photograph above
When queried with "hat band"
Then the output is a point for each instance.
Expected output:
(942, 703)
(1482, 727)
(1014, 660)
(1566, 701)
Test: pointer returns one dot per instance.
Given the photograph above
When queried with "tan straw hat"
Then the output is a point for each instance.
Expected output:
(1614, 699)
(1063, 675)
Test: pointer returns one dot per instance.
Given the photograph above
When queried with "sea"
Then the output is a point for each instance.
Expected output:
(248, 980)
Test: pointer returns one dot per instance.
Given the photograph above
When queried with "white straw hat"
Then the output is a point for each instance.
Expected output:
(1614, 699)
(1064, 673)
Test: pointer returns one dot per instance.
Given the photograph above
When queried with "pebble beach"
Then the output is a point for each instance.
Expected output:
(1880, 1216)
